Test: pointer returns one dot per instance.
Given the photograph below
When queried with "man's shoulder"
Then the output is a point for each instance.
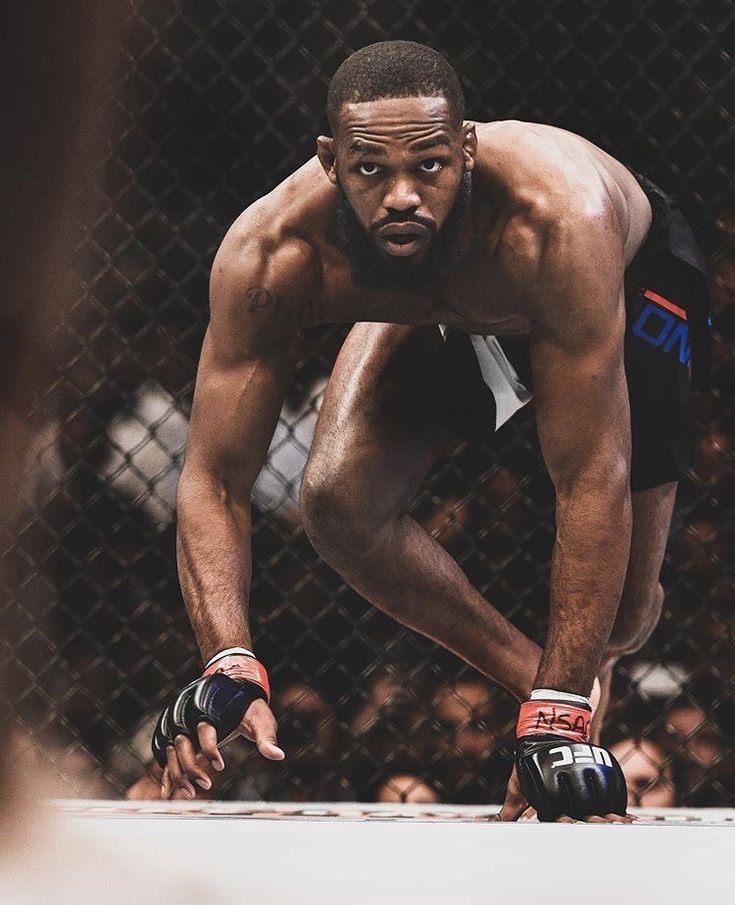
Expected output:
(545, 173)
(281, 230)
(552, 187)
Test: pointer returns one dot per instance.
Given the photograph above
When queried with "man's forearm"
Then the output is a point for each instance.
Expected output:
(214, 563)
(587, 574)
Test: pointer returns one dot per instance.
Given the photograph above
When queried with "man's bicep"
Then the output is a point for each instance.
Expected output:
(242, 372)
(236, 406)
(582, 409)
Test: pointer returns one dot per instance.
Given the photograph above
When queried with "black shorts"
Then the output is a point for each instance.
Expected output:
(666, 353)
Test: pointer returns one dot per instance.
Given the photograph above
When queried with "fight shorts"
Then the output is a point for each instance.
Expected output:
(667, 354)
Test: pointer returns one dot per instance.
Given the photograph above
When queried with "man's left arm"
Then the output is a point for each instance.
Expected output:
(583, 422)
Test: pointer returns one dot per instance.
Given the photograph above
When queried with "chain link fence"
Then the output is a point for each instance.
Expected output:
(214, 104)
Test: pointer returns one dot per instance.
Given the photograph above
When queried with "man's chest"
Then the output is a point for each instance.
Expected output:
(474, 298)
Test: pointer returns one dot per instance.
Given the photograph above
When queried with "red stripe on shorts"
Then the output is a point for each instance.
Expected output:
(665, 303)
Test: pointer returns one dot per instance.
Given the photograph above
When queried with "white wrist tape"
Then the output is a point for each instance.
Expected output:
(550, 694)
(227, 652)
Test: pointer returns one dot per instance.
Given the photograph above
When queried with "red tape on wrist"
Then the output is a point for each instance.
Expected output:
(546, 718)
(239, 666)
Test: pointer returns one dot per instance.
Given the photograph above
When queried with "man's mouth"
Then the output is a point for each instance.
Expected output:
(403, 239)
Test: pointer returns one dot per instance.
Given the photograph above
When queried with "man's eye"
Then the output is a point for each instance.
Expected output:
(430, 166)
(368, 169)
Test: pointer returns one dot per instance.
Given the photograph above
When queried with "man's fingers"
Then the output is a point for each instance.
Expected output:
(270, 750)
(181, 795)
(608, 818)
(176, 775)
(259, 725)
(515, 803)
(595, 818)
(529, 814)
(165, 783)
(620, 818)
(171, 772)
(188, 760)
(511, 811)
(207, 736)
(513, 808)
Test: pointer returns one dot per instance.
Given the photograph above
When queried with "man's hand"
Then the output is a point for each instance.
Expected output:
(184, 765)
(559, 772)
(229, 699)
(577, 780)
(516, 805)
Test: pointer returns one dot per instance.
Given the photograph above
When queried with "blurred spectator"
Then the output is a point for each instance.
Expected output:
(697, 736)
(405, 788)
(467, 718)
(390, 728)
(147, 442)
(145, 453)
(70, 771)
(647, 772)
(278, 485)
(702, 755)
(471, 717)
(308, 733)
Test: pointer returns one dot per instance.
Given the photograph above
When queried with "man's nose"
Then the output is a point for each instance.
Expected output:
(402, 196)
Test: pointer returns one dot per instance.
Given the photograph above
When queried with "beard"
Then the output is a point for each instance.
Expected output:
(372, 270)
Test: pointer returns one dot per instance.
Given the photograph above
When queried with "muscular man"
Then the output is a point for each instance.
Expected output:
(484, 262)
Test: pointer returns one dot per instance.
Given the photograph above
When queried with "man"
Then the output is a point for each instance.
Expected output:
(551, 268)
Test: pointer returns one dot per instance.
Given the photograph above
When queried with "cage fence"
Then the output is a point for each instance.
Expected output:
(213, 105)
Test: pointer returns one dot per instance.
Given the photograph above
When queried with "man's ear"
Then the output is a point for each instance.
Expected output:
(325, 153)
(469, 146)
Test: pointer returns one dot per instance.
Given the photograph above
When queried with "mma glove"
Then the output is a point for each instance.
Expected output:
(560, 772)
(231, 681)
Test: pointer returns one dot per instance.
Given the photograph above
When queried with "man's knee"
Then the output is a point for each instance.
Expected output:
(334, 513)
(637, 618)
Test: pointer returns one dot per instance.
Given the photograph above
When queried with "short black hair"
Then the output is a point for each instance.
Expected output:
(394, 69)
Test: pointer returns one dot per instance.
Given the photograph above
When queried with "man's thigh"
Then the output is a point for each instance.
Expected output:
(385, 416)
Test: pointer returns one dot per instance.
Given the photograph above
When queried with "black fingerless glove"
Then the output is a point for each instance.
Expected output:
(220, 697)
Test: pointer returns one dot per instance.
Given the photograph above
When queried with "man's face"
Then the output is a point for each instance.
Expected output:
(402, 166)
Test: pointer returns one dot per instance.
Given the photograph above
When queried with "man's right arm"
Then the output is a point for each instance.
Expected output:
(238, 397)
(239, 393)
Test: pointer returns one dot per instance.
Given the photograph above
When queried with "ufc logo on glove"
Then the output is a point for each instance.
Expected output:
(579, 754)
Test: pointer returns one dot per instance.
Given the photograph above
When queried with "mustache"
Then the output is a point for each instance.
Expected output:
(403, 218)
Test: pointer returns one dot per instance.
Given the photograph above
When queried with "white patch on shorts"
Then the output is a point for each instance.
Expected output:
(499, 375)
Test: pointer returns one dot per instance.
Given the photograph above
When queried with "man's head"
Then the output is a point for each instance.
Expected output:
(401, 155)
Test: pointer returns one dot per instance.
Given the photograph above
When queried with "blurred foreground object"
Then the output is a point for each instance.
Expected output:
(55, 60)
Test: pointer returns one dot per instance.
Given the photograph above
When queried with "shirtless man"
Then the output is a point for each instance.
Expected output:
(482, 261)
